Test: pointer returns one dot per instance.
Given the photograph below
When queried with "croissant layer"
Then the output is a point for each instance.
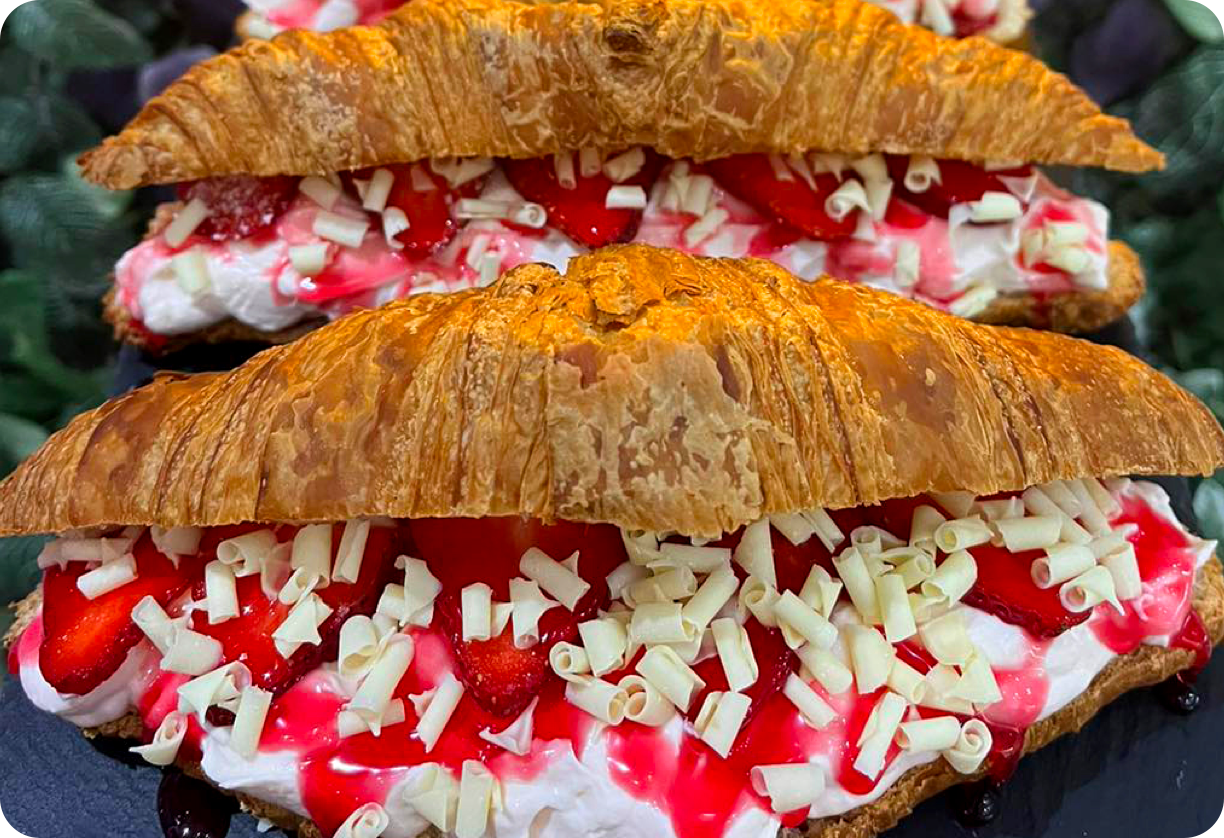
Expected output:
(646, 388)
(692, 78)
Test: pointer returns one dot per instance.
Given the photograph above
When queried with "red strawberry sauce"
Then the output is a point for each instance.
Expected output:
(700, 792)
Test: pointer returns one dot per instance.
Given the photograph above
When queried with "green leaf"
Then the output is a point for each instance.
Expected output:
(1182, 114)
(1197, 20)
(46, 214)
(1209, 509)
(19, 438)
(18, 136)
(17, 69)
(76, 33)
(19, 566)
(64, 125)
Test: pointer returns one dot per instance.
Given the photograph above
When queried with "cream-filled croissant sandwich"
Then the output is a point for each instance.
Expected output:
(999, 20)
(456, 140)
(665, 546)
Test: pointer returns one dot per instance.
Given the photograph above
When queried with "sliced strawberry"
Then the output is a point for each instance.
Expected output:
(751, 178)
(85, 641)
(461, 551)
(430, 212)
(239, 205)
(775, 662)
(1005, 589)
(580, 212)
(248, 637)
(960, 183)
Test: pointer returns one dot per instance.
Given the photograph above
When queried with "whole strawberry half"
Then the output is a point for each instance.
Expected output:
(794, 203)
(247, 638)
(85, 641)
(239, 205)
(581, 213)
(502, 678)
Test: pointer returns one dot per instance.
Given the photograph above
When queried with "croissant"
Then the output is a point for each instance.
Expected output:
(691, 79)
(884, 398)
(692, 434)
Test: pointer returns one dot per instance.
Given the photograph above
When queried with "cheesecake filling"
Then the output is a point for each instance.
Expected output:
(957, 245)
(794, 669)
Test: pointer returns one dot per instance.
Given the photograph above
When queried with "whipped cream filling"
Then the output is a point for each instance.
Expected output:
(253, 280)
(571, 795)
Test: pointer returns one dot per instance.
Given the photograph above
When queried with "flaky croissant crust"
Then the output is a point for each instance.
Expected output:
(646, 388)
(692, 78)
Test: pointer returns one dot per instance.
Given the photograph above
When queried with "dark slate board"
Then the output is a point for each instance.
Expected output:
(1136, 769)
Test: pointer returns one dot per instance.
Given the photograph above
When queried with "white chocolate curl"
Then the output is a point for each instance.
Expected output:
(351, 552)
(670, 675)
(221, 592)
(605, 640)
(163, 749)
(871, 657)
(826, 668)
(907, 682)
(434, 794)
(719, 721)
(878, 734)
(176, 541)
(644, 704)
(221, 687)
(569, 661)
(192, 653)
(1124, 568)
(1037, 502)
(952, 579)
(977, 683)
(946, 638)
(820, 591)
(1036, 532)
(246, 553)
(735, 653)
(477, 788)
(421, 588)
(156, 624)
(1061, 563)
(371, 699)
(859, 583)
(714, 593)
(956, 504)
(697, 559)
(1088, 590)
(368, 821)
(801, 623)
(938, 734)
(754, 553)
(814, 709)
(516, 736)
(789, 787)
(759, 598)
(961, 534)
(108, 577)
(606, 702)
(895, 608)
(660, 622)
(561, 583)
(476, 607)
(925, 521)
(971, 748)
(302, 625)
(441, 707)
(249, 721)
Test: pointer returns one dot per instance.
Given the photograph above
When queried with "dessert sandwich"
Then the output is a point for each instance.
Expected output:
(456, 140)
(665, 546)
(1000, 20)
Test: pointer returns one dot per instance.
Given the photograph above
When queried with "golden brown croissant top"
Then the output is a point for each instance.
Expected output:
(699, 78)
(646, 387)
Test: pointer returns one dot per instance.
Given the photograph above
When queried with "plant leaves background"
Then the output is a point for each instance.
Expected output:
(72, 70)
